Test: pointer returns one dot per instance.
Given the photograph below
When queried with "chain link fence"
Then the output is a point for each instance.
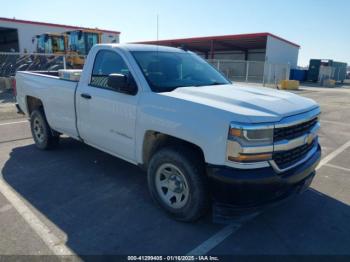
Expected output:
(10, 63)
(239, 71)
(252, 71)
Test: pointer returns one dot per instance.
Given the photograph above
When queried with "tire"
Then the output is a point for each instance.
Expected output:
(177, 182)
(41, 131)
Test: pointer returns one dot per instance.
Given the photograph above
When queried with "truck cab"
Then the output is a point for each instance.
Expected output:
(50, 43)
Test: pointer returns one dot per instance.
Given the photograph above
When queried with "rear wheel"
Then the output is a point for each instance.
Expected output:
(42, 133)
(177, 182)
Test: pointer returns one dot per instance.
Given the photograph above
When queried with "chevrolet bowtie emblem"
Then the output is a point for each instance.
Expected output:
(309, 138)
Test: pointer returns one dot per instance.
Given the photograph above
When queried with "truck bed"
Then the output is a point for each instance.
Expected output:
(70, 75)
(57, 96)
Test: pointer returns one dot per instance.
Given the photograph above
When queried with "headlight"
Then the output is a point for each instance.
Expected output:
(250, 143)
(253, 136)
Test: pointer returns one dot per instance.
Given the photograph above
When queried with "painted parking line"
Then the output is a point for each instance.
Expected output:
(15, 140)
(52, 241)
(338, 167)
(229, 230)
(332, 155)
(13, 123)
(335, 122)
(215, 240)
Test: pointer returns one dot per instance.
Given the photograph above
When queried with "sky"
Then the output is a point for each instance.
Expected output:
(320, 27)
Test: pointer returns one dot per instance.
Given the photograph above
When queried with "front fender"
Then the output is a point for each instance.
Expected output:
(195, 123)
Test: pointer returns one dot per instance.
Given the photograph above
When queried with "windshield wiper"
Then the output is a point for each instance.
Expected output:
(170, 89)
(212, 84)
(216, 84)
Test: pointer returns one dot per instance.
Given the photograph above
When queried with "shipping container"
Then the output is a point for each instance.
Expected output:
(298, 74)
(314, 70)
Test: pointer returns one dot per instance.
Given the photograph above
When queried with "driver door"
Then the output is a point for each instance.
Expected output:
(107, 117)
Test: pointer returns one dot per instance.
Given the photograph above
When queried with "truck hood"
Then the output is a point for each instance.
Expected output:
(255, 104)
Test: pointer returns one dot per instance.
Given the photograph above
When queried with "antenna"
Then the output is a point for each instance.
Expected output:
(157, 27)
(157, 34)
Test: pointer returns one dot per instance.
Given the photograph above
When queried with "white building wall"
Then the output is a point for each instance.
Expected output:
(280, 58)
(27, 31)
(281, 52)
(110, 38)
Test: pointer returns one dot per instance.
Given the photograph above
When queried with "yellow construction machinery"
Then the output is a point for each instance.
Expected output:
(79, 43)
(51, 43)
(75, 45)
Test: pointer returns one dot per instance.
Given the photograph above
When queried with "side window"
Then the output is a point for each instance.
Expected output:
(106, 63)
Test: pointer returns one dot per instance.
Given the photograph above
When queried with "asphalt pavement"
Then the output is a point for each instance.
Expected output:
(79, 200)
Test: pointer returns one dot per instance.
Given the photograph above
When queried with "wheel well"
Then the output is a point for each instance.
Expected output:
(153, 141)
(33, 103)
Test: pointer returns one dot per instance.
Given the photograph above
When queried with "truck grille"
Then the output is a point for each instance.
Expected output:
(295, 131)
(285, 159)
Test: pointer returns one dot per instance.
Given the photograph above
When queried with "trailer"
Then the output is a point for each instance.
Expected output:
(339, 73)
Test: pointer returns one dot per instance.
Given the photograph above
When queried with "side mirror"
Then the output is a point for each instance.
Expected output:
(122, 83)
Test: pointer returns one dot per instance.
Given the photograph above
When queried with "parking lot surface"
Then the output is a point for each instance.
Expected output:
(78, 200)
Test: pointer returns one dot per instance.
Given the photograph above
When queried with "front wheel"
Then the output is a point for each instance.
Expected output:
(177, 182)
(41, 131)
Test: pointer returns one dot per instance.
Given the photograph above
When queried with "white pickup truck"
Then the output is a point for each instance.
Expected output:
(201, 138)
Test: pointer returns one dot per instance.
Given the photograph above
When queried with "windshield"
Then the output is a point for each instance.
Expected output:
(58, 44)
(91, 40)
(166, 71)
(42, 45)
(76, 43)
(82, 42)
(50, 44)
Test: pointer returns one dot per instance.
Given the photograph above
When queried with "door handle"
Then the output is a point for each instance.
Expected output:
(86, 96)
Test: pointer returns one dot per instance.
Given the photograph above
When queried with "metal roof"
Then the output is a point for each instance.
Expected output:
(142, 47)
(13, 20)
(242, 42)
